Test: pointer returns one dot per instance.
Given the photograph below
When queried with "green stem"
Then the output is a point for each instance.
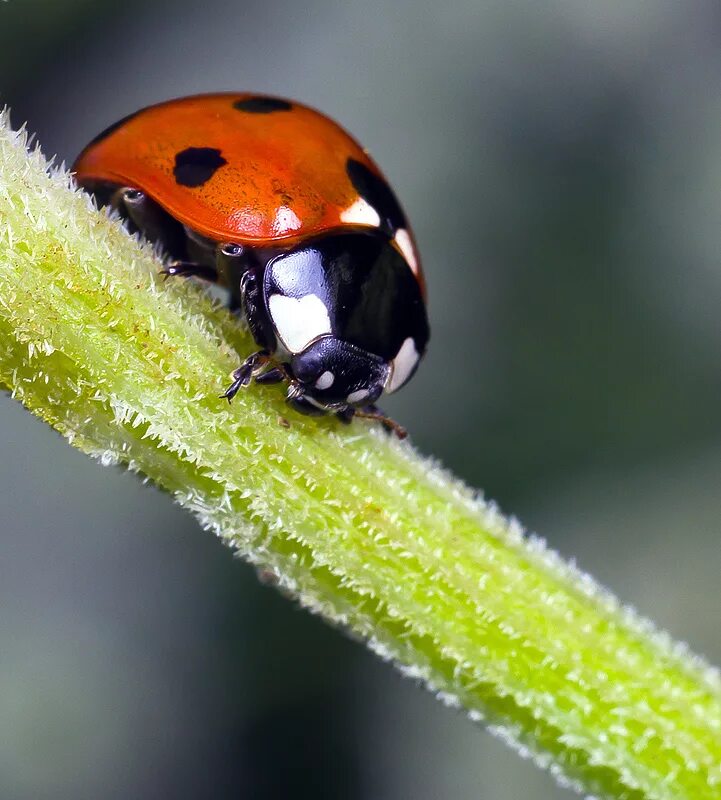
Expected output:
(358, 526)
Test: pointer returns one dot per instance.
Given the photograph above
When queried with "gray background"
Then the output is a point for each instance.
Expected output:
(561, 164)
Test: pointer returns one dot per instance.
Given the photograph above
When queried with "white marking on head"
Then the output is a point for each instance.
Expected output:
(286, 221)
(357, 396)
(405, 245)
(402, 365)
(325, 381)
(361, 213)
(298, 322)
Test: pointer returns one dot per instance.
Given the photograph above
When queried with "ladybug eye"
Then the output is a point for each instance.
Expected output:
(232, 250)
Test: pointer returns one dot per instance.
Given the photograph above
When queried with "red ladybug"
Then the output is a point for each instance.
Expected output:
(277, 203)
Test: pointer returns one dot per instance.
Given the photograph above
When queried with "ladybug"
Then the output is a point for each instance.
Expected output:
(278, 204)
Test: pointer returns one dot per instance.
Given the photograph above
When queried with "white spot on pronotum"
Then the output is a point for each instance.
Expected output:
(286, 220)
(299, 322)
(361, 213)
(357, 396)
(405, 245)
(402, 365)
(325, 381)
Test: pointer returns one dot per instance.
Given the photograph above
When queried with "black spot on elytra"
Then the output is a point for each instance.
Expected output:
(111, 129)
(196, 165)
(260, 104)
(378, 194)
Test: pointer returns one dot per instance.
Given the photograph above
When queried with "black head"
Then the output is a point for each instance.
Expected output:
(335, 373)
(348, 316)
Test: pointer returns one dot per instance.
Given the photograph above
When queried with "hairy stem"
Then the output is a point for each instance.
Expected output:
(358, 526)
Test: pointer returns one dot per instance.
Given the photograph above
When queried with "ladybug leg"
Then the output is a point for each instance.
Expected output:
(231, 263)
(250, 370)
(189, 269)
(273, 375)
(389, 425)
(149, 218)
(244, 374)
(251, 304)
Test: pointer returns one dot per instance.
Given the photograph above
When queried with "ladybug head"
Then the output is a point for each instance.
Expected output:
(334, 373)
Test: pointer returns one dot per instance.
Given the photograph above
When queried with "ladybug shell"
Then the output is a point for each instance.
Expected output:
(247, 169)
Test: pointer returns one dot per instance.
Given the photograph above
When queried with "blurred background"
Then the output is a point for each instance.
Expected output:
(561, 164)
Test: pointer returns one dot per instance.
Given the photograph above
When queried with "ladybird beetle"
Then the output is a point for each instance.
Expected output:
(278, 204)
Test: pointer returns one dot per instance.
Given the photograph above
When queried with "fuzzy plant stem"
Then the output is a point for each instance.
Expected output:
(356, 525)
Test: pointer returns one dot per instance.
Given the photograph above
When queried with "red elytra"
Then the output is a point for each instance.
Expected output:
(281, 166)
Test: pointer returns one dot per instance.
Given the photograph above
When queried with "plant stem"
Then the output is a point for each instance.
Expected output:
(359, 527)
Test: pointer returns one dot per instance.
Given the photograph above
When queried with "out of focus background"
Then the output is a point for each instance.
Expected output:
(561, 164)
